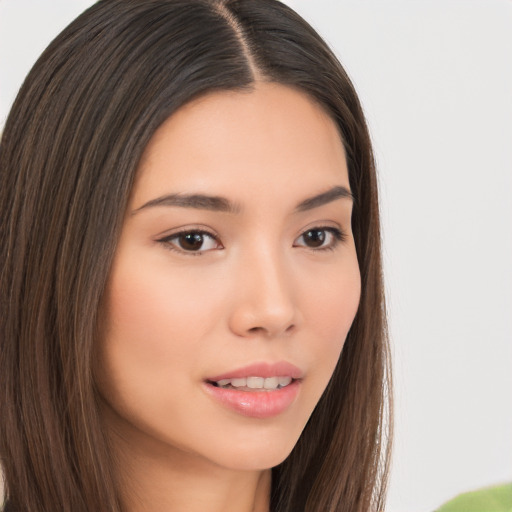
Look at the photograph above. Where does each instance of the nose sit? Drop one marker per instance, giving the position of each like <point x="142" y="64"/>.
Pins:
<point x="264" y="303"/>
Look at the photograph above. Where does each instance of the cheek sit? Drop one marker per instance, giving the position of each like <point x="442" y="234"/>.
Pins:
<point x="153" y="311"/>
<point x="330" y="312"/>
<point x="138" y="320"/>
<point x="157" y="321"/>
<point x="143" y="331"/>
<point x="334" y="295"/>
<point x="342" y="302"/>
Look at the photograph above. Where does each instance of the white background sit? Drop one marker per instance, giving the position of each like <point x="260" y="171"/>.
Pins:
<point x="435" y="79"/>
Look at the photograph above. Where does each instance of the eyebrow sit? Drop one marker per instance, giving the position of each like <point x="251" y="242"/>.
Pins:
<point x="221" y="204"/>
<point x="330" y="195"/>
<point x="197" y="201"/>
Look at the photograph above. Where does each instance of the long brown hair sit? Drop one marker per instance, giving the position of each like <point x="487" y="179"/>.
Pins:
<point x="68" y="157"/>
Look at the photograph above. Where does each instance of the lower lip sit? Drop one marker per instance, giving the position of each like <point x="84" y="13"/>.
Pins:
<point x="256" y="404"/>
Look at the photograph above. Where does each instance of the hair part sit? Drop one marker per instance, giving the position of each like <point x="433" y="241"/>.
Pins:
<point x="68" y="159"/>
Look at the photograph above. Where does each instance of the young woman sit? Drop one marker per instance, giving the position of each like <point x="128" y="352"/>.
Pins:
<point x="192" y="305"/>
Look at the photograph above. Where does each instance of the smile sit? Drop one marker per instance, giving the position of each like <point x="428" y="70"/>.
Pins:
<point x="254" y="383"/>
<point x="261" y="390"/>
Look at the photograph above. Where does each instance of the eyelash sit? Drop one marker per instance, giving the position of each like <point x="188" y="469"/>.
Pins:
<point x="338" y="237"/>
<point x="168" y="244"/>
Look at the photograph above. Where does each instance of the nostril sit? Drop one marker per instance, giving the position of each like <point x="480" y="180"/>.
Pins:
<point x="256" y="330"/>
<point x="269" y="331"/>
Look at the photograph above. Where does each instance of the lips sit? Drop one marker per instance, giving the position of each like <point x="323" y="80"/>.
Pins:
<point x="254" y="383"/>
<point x="261" y="390"/>
<point x="265" y="370"/>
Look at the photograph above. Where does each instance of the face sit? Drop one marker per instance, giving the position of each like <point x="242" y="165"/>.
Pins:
<point x="234" y="283"/>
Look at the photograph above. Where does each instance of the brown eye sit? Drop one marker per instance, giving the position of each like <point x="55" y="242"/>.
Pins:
<point x="320" y="238"/>
<point x="314" y="237"/>
<point x="192" y="242"/>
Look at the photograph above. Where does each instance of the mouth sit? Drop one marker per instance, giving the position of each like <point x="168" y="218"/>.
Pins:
<point x="258" y="391"/>
<point x="253" y="383"/>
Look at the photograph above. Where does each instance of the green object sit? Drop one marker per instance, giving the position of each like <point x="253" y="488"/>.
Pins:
<point x="493" y="499"/>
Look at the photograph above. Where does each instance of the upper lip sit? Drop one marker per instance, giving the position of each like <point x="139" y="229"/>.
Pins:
<point x="262" y="369"/>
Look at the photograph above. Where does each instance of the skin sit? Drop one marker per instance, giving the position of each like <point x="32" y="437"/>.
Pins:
<point x="256" y="291"/>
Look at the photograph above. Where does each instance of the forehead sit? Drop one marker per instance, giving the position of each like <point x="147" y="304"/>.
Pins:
<point x="244" y="143"/>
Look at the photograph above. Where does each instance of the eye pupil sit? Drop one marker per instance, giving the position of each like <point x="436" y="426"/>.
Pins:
<point x="314" y="237"/>
<point x="191" y="241"/>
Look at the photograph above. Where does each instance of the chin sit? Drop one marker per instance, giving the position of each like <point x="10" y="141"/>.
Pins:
<point x="250" y="461"/>
<point x="257" y="454"/>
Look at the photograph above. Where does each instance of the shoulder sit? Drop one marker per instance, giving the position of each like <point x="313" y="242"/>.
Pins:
<point x="492" y="499"/>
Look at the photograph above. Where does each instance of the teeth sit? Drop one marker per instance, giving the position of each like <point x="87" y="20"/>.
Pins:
<point x="284" y="381"/>
<point x="256" y="382"/>
<point x="271" y="383"/>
